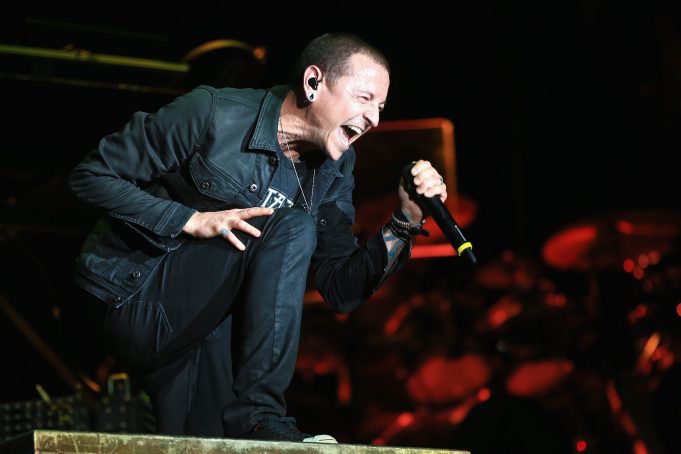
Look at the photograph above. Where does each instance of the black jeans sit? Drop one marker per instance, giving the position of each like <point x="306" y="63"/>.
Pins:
<point x="215" y="331"/>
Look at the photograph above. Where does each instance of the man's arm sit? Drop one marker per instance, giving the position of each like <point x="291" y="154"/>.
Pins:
<point x="346" y="274"/>
<point x="394" y="246"/>
<point x="150" y="145"/>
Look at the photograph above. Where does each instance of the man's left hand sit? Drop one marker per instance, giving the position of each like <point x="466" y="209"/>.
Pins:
<point x="428" y="182"/>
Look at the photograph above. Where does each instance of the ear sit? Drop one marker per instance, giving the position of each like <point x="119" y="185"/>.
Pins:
<point x="312" y="72"/>
<point x="312" y="80"/>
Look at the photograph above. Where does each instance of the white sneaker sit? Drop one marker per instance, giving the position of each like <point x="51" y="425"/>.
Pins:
<point x="320" y="439"/>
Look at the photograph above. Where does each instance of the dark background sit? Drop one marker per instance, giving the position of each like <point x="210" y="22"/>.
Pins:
<point x="563" y="113"/>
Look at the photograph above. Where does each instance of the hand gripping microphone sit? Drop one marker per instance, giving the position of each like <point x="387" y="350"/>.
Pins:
<point x="434" y="207"/>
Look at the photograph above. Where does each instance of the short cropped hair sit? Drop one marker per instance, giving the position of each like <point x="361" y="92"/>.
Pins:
<point x="331" y="52"/>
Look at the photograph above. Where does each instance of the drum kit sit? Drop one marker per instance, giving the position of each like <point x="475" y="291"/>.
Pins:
<point x="602" y="303"/>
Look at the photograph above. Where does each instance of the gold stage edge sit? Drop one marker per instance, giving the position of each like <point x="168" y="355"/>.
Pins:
<point x="52" y="442"/>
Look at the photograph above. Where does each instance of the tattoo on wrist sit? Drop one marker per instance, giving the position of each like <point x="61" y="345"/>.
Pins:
<point x="388" y="235"/>
<point x="393" y="252"/>
<point x="394" y="245"/>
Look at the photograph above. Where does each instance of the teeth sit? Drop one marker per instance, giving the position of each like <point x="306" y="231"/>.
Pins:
<point x="355" y="129"/>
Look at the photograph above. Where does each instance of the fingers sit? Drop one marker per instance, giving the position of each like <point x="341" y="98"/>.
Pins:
<point x="420" y="166"/>
<point x="248" y="228"/>
<point x="428" y="181"/>
<point x="231" y="237"/>
<point x="235" y="219"/>
<point x="248" y="213"/>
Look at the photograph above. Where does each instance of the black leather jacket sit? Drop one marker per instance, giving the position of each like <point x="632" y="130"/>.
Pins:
<point x="209" y="150"/>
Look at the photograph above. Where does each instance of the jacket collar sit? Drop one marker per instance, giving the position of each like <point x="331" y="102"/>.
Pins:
<point x="266" y="126"/>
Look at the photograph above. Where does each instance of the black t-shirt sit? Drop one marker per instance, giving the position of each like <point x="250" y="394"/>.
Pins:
<point x="284" y="190"/>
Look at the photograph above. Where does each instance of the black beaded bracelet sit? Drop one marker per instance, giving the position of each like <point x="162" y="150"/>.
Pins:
<point x="402" y="229"/>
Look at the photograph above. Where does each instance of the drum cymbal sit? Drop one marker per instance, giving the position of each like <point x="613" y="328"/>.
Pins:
<point x="605" y="242"/>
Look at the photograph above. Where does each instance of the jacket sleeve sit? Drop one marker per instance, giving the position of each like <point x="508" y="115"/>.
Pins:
<point x="347" y="274"/>
<point x="112" y="177"/>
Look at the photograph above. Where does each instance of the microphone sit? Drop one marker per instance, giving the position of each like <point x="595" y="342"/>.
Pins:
<point x="434" y="207"/>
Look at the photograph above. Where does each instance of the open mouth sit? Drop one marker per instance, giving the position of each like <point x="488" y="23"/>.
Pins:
<point x="352" y="132"/>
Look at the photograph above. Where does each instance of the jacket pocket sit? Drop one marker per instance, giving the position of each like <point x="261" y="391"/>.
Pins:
<point x="211" y="181"/>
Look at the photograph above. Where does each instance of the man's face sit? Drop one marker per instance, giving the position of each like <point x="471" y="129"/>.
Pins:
<point x="351" y="105"/>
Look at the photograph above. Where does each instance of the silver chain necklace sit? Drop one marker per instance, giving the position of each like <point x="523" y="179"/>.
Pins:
<point x="308" y="206"/>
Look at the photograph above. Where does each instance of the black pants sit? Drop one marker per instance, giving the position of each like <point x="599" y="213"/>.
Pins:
<point x="215" y="330"/>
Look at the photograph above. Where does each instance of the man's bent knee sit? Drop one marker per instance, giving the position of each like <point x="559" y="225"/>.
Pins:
<point x="297" y="225"/>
